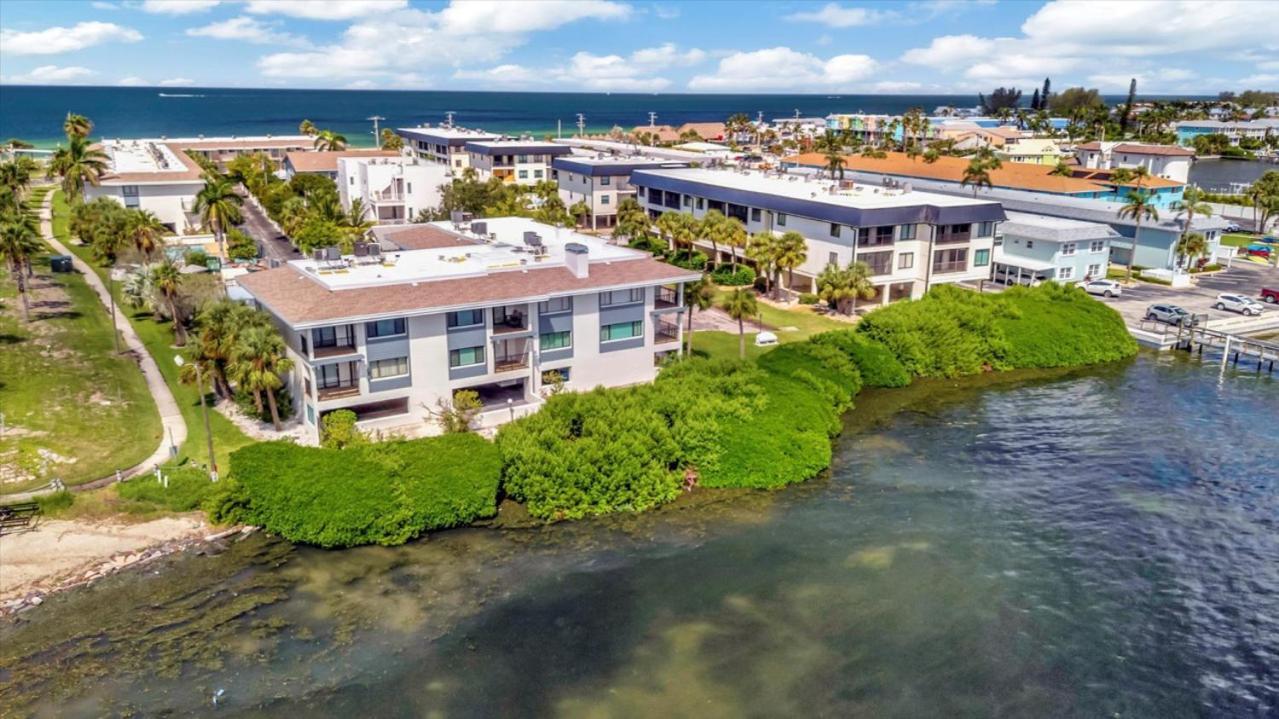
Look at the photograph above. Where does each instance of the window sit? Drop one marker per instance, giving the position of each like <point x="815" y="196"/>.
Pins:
<point x="906" y="260"/>
<point x="352" y="182"/>
<point x="537" y="174"/>
<point x="639" y="192"/>
<point x="465" y="318"/>
<point x="384" y="368"/>
<point x="466" y="356"/>
<point x="408" y="188"/>
<point x="521" y="159"/>
<point x="603" y="199"/>
<point x="132" y="190"/>
<point x="950" y="260"/>
<point x="781" y="219"/>
<point x="1065" y="273"/>
<point x="755" y="214"/>
<point x="701" y="204"/>
<point x="1097" y="246"/>
<point x="834" y="229"/>
<point x="310" y="414"/>
<point x="555" y="304"/>
<point x="981" y="258"/>
<point x="622" y="297"/>
<point x="985" y="229"/>
<point x="523" y="174"/>
<point x="863" y="235"/>
<point x="555" y="340"/>
<point x="1094" y="270"/>
<point x="385" y="328"/>
<point x="880" y="263"/>
<point x="688" y="200"/>
<point x="1030" y="244"/>
<point x="339" y="336"/>
<point x="906" y="232"/>
<point x="833" y="258"/>
<point x="1068" y="249"/>
<point x="605" y="181"/>
<point x="621" y="331"/>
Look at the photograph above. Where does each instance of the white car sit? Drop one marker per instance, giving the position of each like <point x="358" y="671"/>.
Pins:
<point x="1105" y="288"/>
<point x="765" y="339"/>
<point x="1239" y="303"/>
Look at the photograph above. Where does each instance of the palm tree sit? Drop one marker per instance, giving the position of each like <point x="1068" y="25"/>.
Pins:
<point x="791" y="252"/>
<point x="306" y="127"/>
<point x="1192" y="203"/>
<point x="259" y="365"/>
<point x="1063" y="170"/>
<point x="678" y="227"/>
<point x="842" y="287"/>
<point x="835" y="163"/>
<point x="698" y="296"/>
<point x="77" y="164"/>
<point x="1139" y="207"/>
<point x="978" y="171"/>
<point x="1189" y="246"/>
<point x="219" y="207"/>
<point x="580" y="211"/>
<point x="146" y="231"/>
<point x="166" y="277"/>
<point x="735" y="237"/>
<point x="713" y="228"/>
<point x="762" y="250"/>
<point x="77" y="126"/>
<point x="18" y="242"/>
<point x="330" y="141"/>
<point x="15" y="176"/>
<point x="740" y="304"/>
<point x="390" y="140"/>
<point x="632" y="221"/>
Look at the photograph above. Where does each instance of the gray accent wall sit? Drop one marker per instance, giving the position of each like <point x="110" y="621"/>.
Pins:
<point x="383" y="385"/>
<point x="626" y="344"/>
<point x="468" y="337"/>
<point x="621" y="313"/>
<point x="559" y="322"/>
<point x="478" y="370"/>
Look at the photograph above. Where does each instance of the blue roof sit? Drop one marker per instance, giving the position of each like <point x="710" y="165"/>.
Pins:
<point x="444" y="135"/>
<point x="611" y="169"/>
<point x="518" y="148"/>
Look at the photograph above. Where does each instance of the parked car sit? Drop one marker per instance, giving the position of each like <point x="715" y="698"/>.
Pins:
<point x="1171" y="314"/>
<point x="1232" y="227"/>
<point x="1105" y="288"/>
<point x="1269" y="294"/>
<point x="1257" y="249"/>
<point x="1238" y="303"/>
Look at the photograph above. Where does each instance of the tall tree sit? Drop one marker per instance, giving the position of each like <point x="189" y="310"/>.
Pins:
<point x="1045" y="94"/>
<point x="977" y="173"/>
<point x="1127" y="113"/>
<point x="1139" y="207"/>
<point x="166" y="277"/>
<point x="259" y="365"/>
<point x="1189" y="246"/>
<point x="18" y="243"/>
<point x="306" y="127"/>
<point x="841" y="287"/>
<point x="714" y="229"/>
<point x="699" y="296"/>
<point x="791" y="252"/>
<point x="329" y="141"/>
<point x="1002" y="97"/>
<point x="390" y="140"/>
<point x="740" y="304"/>
<point x="735" y="237"/>
<point x="77" y="126"/>
<point x="78" y="164"/>
<point x="219" y="207"/>
<point x="762" y="250"/>
<point x="1193" y="202"/>
<point x="1034" y="100"/>
<point x="145" y="231"/>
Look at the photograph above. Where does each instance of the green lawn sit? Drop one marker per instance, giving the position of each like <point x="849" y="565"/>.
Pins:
<point x="64" y="392"/>
<point x="723" y="345"/>
<point x="791" y="325"/>
<point x="1238" y="239"/>
<point x="158" y="338"/>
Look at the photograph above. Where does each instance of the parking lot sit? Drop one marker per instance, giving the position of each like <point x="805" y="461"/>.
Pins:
<point x="1244" y="278"/>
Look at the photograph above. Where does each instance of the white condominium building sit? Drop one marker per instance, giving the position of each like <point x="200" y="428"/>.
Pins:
<point x="445" y="145"/>
<point x="911" y="240"/>
<point x="502" y="306"/>
<point x="601" y="181"/>
<point x="522" y="162"/>
<point x="1167" y="161"/>
<point x="393" y="189"/>
<point x="154" y="176"/>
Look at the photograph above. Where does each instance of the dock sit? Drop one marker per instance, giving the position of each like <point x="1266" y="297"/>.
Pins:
<point x="1233" y="348"/>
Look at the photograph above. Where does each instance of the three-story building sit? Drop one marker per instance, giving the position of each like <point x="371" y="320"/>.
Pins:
<point x="601" y="181"/>
<point x="444" y="144"/>
<point x="523" y="162"/>
<point x="504" y="307"/>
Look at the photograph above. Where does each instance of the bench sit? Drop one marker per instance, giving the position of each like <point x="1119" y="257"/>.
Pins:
<point x="20" y="517"/>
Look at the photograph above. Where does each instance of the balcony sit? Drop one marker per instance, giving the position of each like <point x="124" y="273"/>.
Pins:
<point x="945" y="238"/>
<point x="666" y="297"/>
<point x="941" y="268"/>
<point x="390" y="194"/>
<point x="666" y="332"/>
<point x="338" y="391"/>
<point x="333" y="350"/>
<point x="509" y="319"/>
<point x="510" y="362"/>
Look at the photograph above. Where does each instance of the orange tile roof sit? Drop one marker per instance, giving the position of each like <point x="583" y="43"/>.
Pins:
<point x="1012" y="175"/>
<point x="300" y="300"/>
<point x="328" y="161"/>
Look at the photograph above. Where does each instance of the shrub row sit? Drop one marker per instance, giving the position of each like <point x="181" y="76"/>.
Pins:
<point x="375" y="494"/>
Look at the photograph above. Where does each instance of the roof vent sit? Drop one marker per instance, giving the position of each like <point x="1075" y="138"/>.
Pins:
<point x="577" y="259"/>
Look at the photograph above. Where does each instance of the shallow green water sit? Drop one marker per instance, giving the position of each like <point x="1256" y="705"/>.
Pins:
<point x="1101" y="543"/>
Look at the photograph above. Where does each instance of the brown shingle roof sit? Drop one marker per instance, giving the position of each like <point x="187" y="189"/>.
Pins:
<point x="266" y="143"/>
<point x="422" y="237"/>
<point x="328" y="161"/>
<point x="301" y="300"/>
<point x="1154" y="150"/>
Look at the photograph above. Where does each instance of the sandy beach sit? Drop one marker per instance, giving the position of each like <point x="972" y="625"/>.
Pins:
<point x="60" y="553"/>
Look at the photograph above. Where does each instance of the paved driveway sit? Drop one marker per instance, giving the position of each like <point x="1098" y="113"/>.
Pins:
<point x="275" y="246"/>
<point x="1244" y="278"/>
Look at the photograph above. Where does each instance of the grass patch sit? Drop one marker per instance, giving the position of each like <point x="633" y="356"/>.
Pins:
<point x="802" y="318"/>
<point x="1238" y="239"/>
<point x="74" y="409"/>
<point x="158" y="339"/>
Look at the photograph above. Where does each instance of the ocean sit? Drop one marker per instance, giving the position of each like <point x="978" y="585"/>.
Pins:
<point x="35" y="113"/>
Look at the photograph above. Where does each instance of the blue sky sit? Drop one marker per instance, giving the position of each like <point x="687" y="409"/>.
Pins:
<point x="935" y="46"/>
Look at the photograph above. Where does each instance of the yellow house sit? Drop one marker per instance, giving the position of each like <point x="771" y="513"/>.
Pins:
<point x="1035" y="151"/>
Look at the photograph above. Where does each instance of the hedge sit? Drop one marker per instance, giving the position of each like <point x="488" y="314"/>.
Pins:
<point x="1061" y="326"/>
<point x="376" y="494"/>
<point x="726" y="276"/>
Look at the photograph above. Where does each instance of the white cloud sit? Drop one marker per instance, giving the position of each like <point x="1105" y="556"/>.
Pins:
<point x="781" y="68"/>
<point x="178" y="7"/>
<point x="835" y="15"/>
<point x="361" y="85"/>
<point x="664" y="12"/>
<point x="1253" y="82"/>
<point x="1072" y="35"/>
<point x="508" y="75"/>
<point x="388" y="45"/>
<point x="54" y="40"/>
<point x="100" y="5"/>
<point x="325" y="9"/>
<point x="177" y="82"/>
<point x="896" y="87"/>
<point x="246" y="29"/>
<point x="49" y="75"/>
<point x="638" y="72"/>
<point x="132" y="81"/>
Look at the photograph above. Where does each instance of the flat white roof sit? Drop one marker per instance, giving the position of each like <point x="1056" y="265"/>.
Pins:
<point x="133" y="156"/>
<point x="501" y="249"/>
<point x="816" y="189"/>
<point x="449" y="132"/>
<point x="1027" y="263"/>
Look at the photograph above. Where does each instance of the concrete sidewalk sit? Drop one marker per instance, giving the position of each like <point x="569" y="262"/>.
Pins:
<point x="172" y="423"/>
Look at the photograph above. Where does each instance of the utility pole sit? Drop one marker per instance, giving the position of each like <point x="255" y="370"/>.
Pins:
<point x="204" y="407"/>
<point x="581" y="125"/>
<point x="377" y="139"/>
<point x="449" y="119"/>
<point x="652" y="119"/>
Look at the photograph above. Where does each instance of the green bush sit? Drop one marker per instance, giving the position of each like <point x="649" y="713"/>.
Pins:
<point x="196" y="258"/>
<point x="724" y="275"/>
<point x="338" y="430"/>
<point x="878" y="366"/>
<point x="807" y="298"/>
<point x="1061" y="326"/>
<point x="385" y="494"/>
<point x="188" y="488"/>
<point x="689" y="260"/>
<point x="240" y="246"/>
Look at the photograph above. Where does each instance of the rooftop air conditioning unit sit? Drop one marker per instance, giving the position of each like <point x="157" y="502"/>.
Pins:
<point x="479" y="228"/>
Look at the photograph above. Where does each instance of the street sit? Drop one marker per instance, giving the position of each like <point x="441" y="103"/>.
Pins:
<point x="275" y="246"/>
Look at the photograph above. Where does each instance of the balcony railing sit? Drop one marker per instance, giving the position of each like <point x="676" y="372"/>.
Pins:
<point x="325" y="351"/>
<point x="339" y="391"/>
<point x="941" y="268"/>
<point x="666" y="297"/>
<point x="944" y="238"/>
<point x="387" y="196"/>
<point x="508" y="362"/>
<point x="666" y="332"/>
